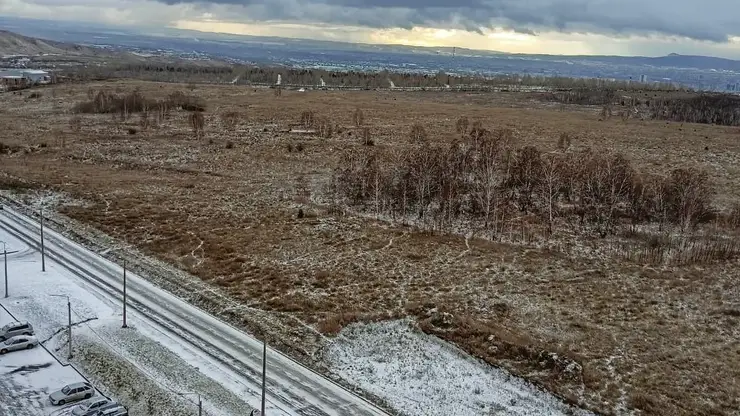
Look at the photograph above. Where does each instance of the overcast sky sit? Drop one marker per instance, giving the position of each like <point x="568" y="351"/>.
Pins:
<point x="623" y="27"/>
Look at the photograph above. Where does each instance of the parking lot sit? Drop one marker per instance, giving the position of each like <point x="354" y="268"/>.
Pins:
<point x="28" y="376"/>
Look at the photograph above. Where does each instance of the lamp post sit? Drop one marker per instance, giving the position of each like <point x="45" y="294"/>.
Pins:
<point x="200" y="402"/>
<point x="5" y="263"/>
<point x="124" y="295"/>
<point x="69" y="322"/>
<point x="264" y="374"/>
<point x="43" y="254"/>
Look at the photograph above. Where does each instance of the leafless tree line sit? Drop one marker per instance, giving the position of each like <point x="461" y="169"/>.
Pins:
<point x="485" y="181"/>
<point x="723" y="109"/>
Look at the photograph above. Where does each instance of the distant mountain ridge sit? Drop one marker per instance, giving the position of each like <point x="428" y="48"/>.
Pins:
<point x="15" y="44"/>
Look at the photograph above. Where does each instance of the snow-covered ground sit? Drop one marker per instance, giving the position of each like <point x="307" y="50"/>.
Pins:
<point x="426" y="376"/>
<point x="139" y="364"/>
<point x="27" y="377"/>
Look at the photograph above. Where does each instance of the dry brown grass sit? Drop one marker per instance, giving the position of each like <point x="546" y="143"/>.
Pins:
<point x="651" y="338"/>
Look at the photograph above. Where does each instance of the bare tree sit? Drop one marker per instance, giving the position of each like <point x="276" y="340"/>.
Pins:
<point x="197" y="123"/>
<point x="358" y="117"/>
<point x="324" y="127"/>
<point x="144" y="120"/>
<point x="308" y="118"/>
<point x="366" y="137"/>
<point x="549" y="187"/>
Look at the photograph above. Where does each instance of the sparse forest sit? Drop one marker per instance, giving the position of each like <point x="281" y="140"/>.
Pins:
<point x="488" y="184"/>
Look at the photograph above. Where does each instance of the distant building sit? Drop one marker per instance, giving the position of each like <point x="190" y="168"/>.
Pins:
<point x="20" y="78"/>
<point x="643" y="79"/>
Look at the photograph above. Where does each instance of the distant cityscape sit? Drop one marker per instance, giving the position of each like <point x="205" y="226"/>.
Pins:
<point x="701" y="73"/>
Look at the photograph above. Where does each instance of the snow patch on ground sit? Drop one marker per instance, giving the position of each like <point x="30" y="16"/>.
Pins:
<point x="418" y="374"/>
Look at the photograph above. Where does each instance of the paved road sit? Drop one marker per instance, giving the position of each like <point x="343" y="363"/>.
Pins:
<point x="291" y="389"/>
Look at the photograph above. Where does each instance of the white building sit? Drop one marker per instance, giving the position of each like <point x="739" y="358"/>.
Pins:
<point x="18" y="77"/>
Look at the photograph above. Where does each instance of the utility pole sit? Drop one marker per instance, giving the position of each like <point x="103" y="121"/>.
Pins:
<point x="264" y="374"/>
<point x="200" y="406"/>
<point x="5" y="262"/>
<point x="124" y="295"/>
<point x="43" y="256"/>
<point x="69" y="327"/>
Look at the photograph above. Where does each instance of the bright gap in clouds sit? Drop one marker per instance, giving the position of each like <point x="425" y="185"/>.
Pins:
<point x="497" y="39"/>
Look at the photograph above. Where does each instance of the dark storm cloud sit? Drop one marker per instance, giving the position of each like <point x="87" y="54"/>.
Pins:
<point x="712" y="20"/>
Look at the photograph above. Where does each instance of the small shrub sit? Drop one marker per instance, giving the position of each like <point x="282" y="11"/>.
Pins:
<point x="290" y="148"/>
<point x="35" y="95"/>
<point x="418" y="134"/>
<point x="229" y="145"/>
<point x="230" y="119"/>
<point x="308" y="118"/>
<point x="299" y="147"/>
<point x="75" y="124"/>
<point x="461" y="126"/>
<point x="733" y="218"/>
<point x="366" y="139"/>
<point x="132" y="131"/>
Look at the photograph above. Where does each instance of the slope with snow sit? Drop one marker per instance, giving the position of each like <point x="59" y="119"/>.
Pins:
<point x="425" y="376"/>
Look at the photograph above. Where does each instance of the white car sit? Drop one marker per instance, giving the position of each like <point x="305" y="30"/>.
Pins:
<point x="72" y="393"/>
<point x="91" y="407"/>
<point x="15" y="328"/>
<point x="19" y="342"/>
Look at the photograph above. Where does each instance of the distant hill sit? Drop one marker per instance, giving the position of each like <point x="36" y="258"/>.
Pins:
<point x="15" y="44"/>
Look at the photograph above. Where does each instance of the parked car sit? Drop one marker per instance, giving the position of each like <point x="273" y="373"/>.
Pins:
<point x="72" y="393"/>
<point x="91" y="407"/>
<point x="20" y="342"/>
<point x="113" y="409"/>
<point x="15" y="328"/>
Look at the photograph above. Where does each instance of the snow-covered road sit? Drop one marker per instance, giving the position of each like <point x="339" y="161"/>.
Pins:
<point x="234" y="355"/>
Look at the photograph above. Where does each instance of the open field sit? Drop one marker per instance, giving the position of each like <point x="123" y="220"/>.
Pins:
<point x="567" y="312"/>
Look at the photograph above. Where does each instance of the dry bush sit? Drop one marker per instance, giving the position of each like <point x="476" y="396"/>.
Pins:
<point x="75" y="124"/>
<point x="230" y="119"/>
<point x="179" y="99"/>
<point x="278" y="91"/>
<point x="564" y="142"/>
<point x="418" y="134"/>
<point x="308" y="118"/>
<point x="197" y="123"/>
<point x="461" y="126"/>
<point x="733" y="218"/>
<point x="358" y="118"/>
<point x="689" y="195"/>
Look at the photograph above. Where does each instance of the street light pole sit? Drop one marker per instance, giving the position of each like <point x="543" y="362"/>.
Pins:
<point x="43" y="255"/>
<point x="264" y="374"/>
<point x="124" y="295"/>
<point x="69" y="326"/>
<point x="69" y="322"/>
<point x="5" y="263"/>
